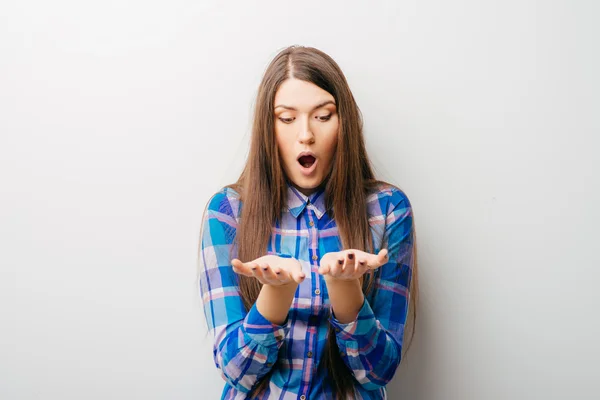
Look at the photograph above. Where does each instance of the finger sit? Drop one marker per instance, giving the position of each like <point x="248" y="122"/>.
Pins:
<point x="277" y="271"/>
<point x="257" y="272"/>
<point x="379" y="259"/>
<point x="383" y="256"/>
<point x="240" y="268"/>
<point x="362" y="266"/>
<point x="268" y="272"/>
<point x="324" y="269"/>
<point x="248" y="266"/>
<point x="298" y="275"/>
<point x="357" y="271"/>
<point x="236" y="265"/>
<point x="280" y="276"/>
<point x="283" y="276"/>
<point x="336" y="268"/>
<point x="349" y="262"/>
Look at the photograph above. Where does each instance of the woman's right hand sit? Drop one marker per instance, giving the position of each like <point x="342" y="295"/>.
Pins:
<point x="271" y="270"/>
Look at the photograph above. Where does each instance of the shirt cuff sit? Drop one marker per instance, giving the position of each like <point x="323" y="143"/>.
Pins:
<point x="363" y="325"/>
<point x="264" y="332"/>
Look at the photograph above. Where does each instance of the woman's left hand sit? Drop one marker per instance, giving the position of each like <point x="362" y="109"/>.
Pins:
<point x="350" y="264"/>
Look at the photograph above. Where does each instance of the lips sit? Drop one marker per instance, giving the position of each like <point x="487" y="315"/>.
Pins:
<point x="307" y="162"/>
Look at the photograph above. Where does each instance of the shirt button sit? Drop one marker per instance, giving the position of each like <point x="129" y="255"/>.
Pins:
<point x="309" y="354"/>
<point x="303" y="397"/>
<point x="343" y="354"/>
<point x="311" y="223"/>
<point x="269" y="364"/>
<point x="318" y="292"/>
<point x="315" y="257"/>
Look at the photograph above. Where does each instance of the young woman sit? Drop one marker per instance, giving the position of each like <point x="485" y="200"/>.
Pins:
<point x="307" y="263"/>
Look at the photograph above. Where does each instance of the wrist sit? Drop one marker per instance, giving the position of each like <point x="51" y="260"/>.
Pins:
<point x="342" y="283"/>
<point x="285" y="289"/>
<point x="346" y="299"/>
<point x="274" y="302"/>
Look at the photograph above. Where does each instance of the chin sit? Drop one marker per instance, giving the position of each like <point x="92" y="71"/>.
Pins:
<point x="308" y="184"/>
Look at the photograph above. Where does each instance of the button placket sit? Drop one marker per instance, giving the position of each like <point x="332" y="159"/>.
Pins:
<point x="315" y="301"/>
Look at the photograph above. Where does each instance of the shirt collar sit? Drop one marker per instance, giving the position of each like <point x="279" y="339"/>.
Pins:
<point x="297" y="201"/>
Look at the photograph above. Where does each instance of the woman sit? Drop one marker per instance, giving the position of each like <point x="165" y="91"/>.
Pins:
<point x="307" y="263"/>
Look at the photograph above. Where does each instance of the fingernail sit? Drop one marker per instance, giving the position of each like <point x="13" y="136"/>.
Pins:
<point x="361" y="262"/>
<point x="340" y="262"/>
<point x="351" y="256"/>
<point x="264" y="268"/>
<point x="252" y="268"/>
<point x="278" y="272"/>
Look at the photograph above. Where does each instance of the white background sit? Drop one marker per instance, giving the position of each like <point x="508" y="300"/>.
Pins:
<point x="119" y="119"/>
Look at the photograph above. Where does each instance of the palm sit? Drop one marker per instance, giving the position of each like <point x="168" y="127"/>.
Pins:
<point x="271" y="270"/>
<point x="350" y="264"/>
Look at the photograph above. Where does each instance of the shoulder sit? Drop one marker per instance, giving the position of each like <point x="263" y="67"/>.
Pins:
<point x="384" y="198"/>
<point x="226" y="201"/>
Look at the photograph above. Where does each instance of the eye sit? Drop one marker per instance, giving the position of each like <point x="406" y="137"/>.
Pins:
<point x="286" y="120"/>
<point x="323" y="118"/>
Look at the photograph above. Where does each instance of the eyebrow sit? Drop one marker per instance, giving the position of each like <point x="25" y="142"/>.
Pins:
<point x="314" y="108"/>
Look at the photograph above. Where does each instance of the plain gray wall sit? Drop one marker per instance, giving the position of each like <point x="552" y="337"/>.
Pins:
<point x="118" y="120"/>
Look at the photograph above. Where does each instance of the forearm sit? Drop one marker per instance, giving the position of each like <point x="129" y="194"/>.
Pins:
<point x="346" y="299"/>
<point x="246" y="353"/>
<point x="367" y="348"/>
<point x="274" y="302"/>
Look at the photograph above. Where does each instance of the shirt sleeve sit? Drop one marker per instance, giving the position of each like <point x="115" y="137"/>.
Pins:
<point x="371" y="345"/>
<point x="246" y="344"/>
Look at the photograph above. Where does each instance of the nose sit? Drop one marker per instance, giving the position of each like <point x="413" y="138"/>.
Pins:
<point x="306" y="135"/>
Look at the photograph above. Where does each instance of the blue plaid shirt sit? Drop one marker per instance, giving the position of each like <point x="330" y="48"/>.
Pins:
<point x="247" y="346"/>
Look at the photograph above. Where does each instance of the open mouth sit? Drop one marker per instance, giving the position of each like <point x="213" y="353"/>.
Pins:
<point x="307" y="161"/>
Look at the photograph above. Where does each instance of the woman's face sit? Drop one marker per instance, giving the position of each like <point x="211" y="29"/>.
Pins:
<point x="306" y="131"/>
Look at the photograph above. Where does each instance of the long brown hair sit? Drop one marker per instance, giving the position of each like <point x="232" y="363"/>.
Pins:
<point x="262" y="186"/>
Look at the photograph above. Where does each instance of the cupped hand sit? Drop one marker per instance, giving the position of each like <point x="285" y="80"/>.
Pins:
<point x="350" y="264"/>
<point x="271" y="270"/>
